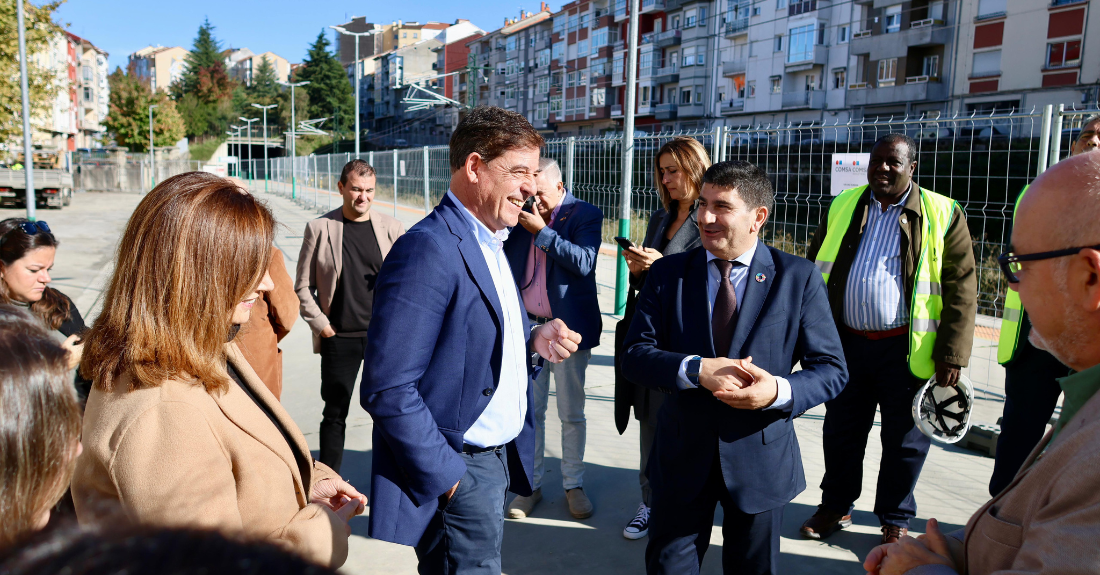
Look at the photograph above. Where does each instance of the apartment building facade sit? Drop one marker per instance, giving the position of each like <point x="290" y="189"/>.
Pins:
<point x="159" y="66"/>
<point x="75" y="116"/>
<point x="1026" y="53"/>
<point x="242" y="63"/>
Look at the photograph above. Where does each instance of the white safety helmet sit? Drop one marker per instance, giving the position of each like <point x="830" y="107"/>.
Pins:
<point x="943" y="413"/>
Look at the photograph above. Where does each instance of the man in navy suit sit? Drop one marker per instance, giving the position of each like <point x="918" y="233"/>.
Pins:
<point x="719" y="329"/>
<point x="553" y="255"/>
<point x="448" y="358"/>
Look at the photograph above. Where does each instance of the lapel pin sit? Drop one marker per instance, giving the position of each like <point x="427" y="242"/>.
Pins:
<point x="761" y="277"/>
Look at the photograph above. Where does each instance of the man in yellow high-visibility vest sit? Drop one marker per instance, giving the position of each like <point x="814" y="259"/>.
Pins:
<point x="1031" y="375"/>
<point x="899" y="265"/>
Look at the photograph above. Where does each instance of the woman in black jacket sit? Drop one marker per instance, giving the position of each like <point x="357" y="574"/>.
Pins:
<point x="679" y="169"/>
<point x="27" y="251"/>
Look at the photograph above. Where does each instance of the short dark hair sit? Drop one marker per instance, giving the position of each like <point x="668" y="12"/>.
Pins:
<point x="102" y="549"/>
<point x="357" y="167"/>
<point x="751" y="183"/>
<point x="490" y="132"/>
<point x="894" y="138"/>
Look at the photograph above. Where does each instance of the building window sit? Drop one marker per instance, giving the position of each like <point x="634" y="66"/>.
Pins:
<point x="839" y="78"/>
<point x="512" y="67"/>
<point x="87" y="94"/>
<point x="598" y="97"/>
<point x="1064" y="54"/>
<point x="414" y="35"/>
<point x="931" y="66"/>
<point x="511" y="43"/>
<point x="543" y="58"/>
<point x="988" y="8"/>
<point x="811" y="82"/>
<point x="802" y="7"/>
<point x="780" y="4"/>
<point x="675" y="22"/>
<point x="887" y="72"/>
<point x="689" y="57"/>
<point x="582" y="78"/>
<point x="698" y="96"/>
<point x="801" y="46"/>
<point x="702" y="15"/>
<point x="685" y="95"/>
<point x="555" y="79"/>
<point x="573" y="23"/>
<point x="543" y="85"/>
<point x="582" y="48"/>
<point x="617" y="65"/>
<point x="541" y="111"/>
<point x="555" y="104"/>
<point x="778" y="44"/>
<point x="599" y="38"/>
<point x="986" y="63"/>
<point x="645" y="95"/>
<point x="842" y="34"/>
<point x="582" y="21"/>
<point x="404" y="34"/>
<point x="673" y="60"/>
<point x="893" y="19"/>
<point x="569" y="103"/>
<point x="752" y="89"/>
<point x="689" y="18"/>
<point x="559" y="25"/>
<point x="570" y="79"/>
<point x="821" y="34"/>
<point x="777" y="85"/>
<point x="558" y="51"/>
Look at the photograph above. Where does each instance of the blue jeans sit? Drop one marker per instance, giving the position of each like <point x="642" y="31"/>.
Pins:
<point x="465" y="535"/>
<point x="569" y="380"/>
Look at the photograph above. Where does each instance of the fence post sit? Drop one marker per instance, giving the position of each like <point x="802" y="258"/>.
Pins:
<point x="1044" y="139"/>
<point x="716" y="145"/>
<point x="1056" y="135"/>
<point x="394" y="153"/>
<point x="427" y="190"/>
<point x="328" y="158"/>
<point x="570" y="150"/>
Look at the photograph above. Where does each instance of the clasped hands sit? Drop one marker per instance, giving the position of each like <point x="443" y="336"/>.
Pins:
<point x="555" y="341"/>
<point x="738" y="383"/>
<point x="339" y="496"/>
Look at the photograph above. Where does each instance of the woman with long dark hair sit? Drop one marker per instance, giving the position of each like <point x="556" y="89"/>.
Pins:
<point x="179" y="429"/>
<point x="678" y="176"/>
<point x="27" y="251"/>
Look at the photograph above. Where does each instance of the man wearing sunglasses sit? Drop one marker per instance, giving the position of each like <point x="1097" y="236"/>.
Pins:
<point x="1031" y="374"/>
<point x="1048" y="518"/>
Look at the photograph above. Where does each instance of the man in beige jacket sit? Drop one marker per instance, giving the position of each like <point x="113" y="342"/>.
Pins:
<point x="342" y="252"/>
<point x="1048" y="518"/>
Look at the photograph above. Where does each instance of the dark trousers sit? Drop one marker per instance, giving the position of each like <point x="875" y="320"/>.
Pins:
<point x="341" y="358"/>
<point x="878" y="376"/>
<point x="1031" y="393"/>
<point x="679" y="533"/>
<point x="465" y="535"/>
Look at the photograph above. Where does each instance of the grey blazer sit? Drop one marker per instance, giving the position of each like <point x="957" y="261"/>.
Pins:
<point x="321" y="261"/>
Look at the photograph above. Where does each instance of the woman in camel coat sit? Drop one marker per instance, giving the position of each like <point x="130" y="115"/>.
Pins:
<point x="179" y="430"/>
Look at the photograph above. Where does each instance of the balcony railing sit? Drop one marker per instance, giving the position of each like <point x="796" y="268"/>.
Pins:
<point x="737" y="26"/>
<point x="667" y="38"/>
<point x="861" y="34"/>
<point x="616" y="110"/>
<point x="926" y="22"/>
<point x="665" y="111"/>
<point x="734" y="67"/>
<point x="807" y="99"/>
<point x="652" y="5"/>
<point x="647" y="71"/>
<point x="733" y="106"/>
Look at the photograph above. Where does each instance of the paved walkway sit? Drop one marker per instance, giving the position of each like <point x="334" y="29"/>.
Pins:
<point x="953" y="484"/>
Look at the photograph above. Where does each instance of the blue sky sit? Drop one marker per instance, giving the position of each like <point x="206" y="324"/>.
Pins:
<point x="282" y="26"/>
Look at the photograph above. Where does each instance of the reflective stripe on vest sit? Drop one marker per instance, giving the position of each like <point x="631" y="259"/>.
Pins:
<point x="1013" y="314"/>
<point x="927" y="303"/>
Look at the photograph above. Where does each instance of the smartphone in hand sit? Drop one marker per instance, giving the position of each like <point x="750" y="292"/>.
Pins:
<point x="529" y="204"/>
<point x="625" y="243"/>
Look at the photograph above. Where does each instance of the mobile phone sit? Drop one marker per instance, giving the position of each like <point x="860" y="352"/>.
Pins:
<point x="625" y="243"/>
<point x="529" y="204"/>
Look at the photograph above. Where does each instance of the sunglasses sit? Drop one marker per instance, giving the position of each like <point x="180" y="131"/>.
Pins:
<point x="1010" y="262"/>
<point x="31" y="228"/>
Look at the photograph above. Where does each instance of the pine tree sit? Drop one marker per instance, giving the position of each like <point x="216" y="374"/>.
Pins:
<point x="205" y="55"/>
<point x="128" y="121"/>
<point x="330" y="93"/>
<point x="205" y="90"/>
<point x="264" y="88"/>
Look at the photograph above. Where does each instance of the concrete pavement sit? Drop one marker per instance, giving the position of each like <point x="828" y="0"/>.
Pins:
<point x="952" y="486"/>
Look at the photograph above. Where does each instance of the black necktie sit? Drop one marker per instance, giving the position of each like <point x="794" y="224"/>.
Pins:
<point x="724" y="319"/>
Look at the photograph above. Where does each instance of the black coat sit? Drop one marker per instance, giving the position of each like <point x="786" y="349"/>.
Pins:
<point x="74" y="324"/>
<point x="647" y="401"/>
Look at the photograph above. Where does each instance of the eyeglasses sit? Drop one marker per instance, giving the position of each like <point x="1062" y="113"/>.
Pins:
<point x="31" y="228"/>
<point x="1010" y="262"/>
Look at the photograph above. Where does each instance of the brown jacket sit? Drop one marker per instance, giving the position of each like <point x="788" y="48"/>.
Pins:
<point x="176" y="455"/>
<point x="955" y="335"/>
<point x="1048" y="519"/>
<point x="272" y="317"/>
<point x="321" y="261"/>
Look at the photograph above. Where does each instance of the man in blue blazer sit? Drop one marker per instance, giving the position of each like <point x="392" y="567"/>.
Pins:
<point x="448" y="358"/>
<point x="553" y="255"/>
<point x="719" y="328"/>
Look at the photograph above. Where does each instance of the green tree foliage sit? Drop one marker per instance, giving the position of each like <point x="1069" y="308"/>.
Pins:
<point x="40" y="30"/>
<point x="128" y="120"/>
<point x="330" y="92"/>
<point x="205" y="91"/>
<point x="264" y="88"/>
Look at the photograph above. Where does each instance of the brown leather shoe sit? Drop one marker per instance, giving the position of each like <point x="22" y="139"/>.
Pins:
<point x="891" y="533"/>
<point x="824" y="523"/>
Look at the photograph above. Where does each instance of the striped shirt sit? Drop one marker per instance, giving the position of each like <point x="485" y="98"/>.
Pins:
<point x="874" y="298"/>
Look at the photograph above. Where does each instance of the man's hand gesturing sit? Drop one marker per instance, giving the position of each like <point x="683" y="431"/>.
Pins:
<point x="555" y="341"/>
<point x="760" y="391"/>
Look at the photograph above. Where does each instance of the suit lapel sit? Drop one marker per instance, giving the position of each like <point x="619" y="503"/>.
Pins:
<point x="755" y="294"/>
<point x="245" y="414"/>
<point x="336" y="242"/>
<point x="381" y="235"/>
<point x="684" y="237"/>
<point x="473" y="256"/>
<point x="696" y="304"/>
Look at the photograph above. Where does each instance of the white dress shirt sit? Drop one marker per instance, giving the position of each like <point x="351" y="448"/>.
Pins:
<point x="738" y="276"/>
<point x="503" y="418"/>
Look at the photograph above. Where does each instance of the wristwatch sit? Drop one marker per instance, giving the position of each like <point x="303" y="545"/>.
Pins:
<point x="693" y="366"/>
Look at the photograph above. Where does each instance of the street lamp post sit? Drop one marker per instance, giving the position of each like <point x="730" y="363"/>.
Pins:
<point x="356" y="35"/>
<point x="152" y="149"/>
<point x="237" y="164"/>
<point x="265" y="109"/>
<point x="293" y="135"/>
<point x="249" y="123"/>
<point x="28" y="158"/>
